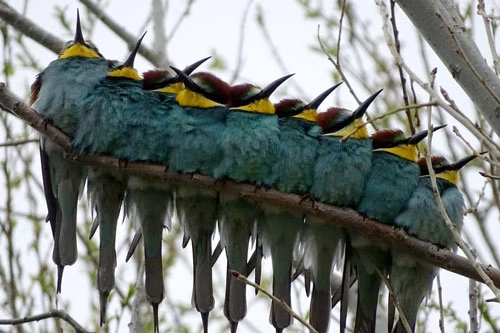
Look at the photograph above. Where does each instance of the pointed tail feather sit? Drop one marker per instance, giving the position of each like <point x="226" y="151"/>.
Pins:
<point x="133" y="245"/>
<point x="202" y="272"/>
<point x="368" y="291"/>
<point x="280" y="318"/>
<point x="320" y="309"/>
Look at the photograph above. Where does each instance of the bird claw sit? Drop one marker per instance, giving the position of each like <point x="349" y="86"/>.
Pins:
<point x="307" y="198"/>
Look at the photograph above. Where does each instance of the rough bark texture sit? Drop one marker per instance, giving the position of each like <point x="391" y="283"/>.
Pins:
<point x="442" y="27"/>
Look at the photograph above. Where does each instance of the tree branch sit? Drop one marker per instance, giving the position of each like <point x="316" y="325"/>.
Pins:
<point x="345" y="218"/>
<point x="51" y="314"/>
<point x="154" y="57"/>
<point x="29" y="28"/>
<point x="440" y="24"/>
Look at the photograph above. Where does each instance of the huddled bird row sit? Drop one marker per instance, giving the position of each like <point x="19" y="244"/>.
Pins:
<point x="198" y="123"/>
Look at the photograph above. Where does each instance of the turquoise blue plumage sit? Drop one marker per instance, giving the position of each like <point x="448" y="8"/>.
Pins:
<point x="194" y="147"/>
<point x="249" y="145"/>
<point x="106" y="192"/>
<point x="278" y="228"/>
<point x="340" y="171"/>
<point x="65" y="81"/>
<point x="411" y="280"/>
<point x="166" y="86"/>
<point x="393" y="177"/>
<point x="122" y="119"/>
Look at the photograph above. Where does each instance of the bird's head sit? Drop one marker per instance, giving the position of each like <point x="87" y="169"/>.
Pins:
<point x="340" y="122"/>
<point x="163" y="80"/>
<point x="126" y="70"/>
<point x="395" y="142"/>
<point x="78" y="47"/>
<point x="250" y="98"/>
<point x="202" y="90"/>
<point x="444" y="169"/>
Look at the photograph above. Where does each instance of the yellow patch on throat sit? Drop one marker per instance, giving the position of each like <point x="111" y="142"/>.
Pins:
<point x="187" y="97"/>
<point x="408" y="152"/>
<point x="259" y="106"/>
<point x="125" y="72"/>
<point x="361" y="133"/>
<point x="309" y="114"/>
<point x="79" y="50"/>
<point x="173" y="88"/>
<point x="451" y="175"/>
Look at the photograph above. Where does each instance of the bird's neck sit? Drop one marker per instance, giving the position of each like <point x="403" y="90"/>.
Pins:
<point x="309" y="115"/>
<point x="408" y="152"/>
<point x="125" y="72"/>
<point x="79" y="50"/>
<point x="173" y="88"/>
<point x="356" y="125"/>
<point x="261" y="106"/>
<point x="187" y="97"/>
<point x="452" y="176"/>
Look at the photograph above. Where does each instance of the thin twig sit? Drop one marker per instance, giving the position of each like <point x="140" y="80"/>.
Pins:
<point x="459" y="116"/>
<point x="341" y="217"/>
<point x="241" y="42"/>
<point x="489" y="34"/>
<point x="61" y="314"/>
<point x="403" y="108"/>
<point x="395" y="300"/>
<point x="281" y="302"/>
<point x="129" y="38"/>
<point x="29" y="28"/>
<point x="440" y="298"/>
<point x="18" y="143"/>
<point x="473" y="306"/>
<point x="400" y="69"/>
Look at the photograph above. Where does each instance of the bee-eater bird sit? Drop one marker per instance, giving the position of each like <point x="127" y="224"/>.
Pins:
<point x="119" y="114"/>
<point x="340" y="171"/>
<point x="249" y="145"/>
<point x="78" y="68"/>
<point x="279" y="229"/>
<point x="393" y="176"/>
<point x="167" y="86"/>
<point x="194" y="147"/>
<point x="411" y="280"/>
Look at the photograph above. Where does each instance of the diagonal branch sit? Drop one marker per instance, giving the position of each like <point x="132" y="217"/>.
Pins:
<point x="440" y="24"/>
<point x="51" y="314"/>
<point x="345" y="218"/>
<point x="29" y="28"/>
<point x="32" y="30"/>
<point x="154" y="57"/>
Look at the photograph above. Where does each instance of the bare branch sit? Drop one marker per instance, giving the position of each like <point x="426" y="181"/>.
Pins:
<point x="153" y="57"/>
<point x="342" y="217"/>
<point x="281" y="302"/>
<point x="440" y="24"/>
<point x="51" y="314"/>
<point x="29" y="28"/>
<point x="18" y="143"/>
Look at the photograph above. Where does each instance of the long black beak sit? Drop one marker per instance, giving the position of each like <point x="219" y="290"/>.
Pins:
<point x="361" y="110"/>
<point x="264" y="93"/>
<point x="188" y="70"/>
<point x="458" y="164"/>
<point x="271" y="87"/>
<point x="415" y="139"/>
<point x="358" y="113"/>
<point x="78" y="33"/>
<point x="315" y="103"/>
<point x="191" y="85"/>
<point x="130" y="60"/>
